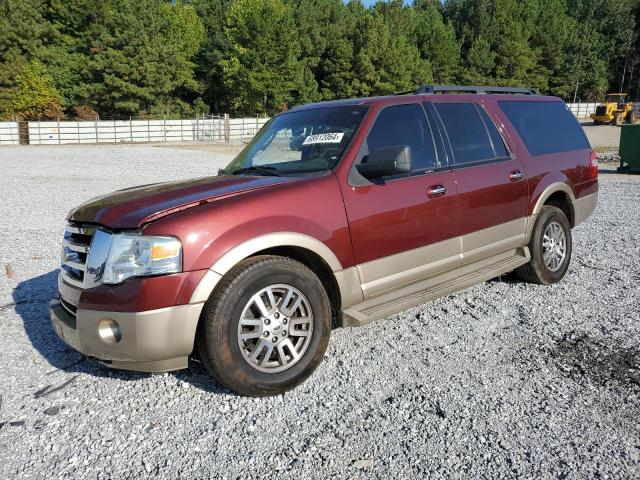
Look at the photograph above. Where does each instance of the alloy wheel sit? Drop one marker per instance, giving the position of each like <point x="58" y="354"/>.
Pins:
<point x="554" y="246"/>
<point x="275" y="328"/>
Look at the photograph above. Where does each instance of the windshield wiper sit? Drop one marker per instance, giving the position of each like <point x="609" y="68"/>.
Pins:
<point x="264" y="170"/>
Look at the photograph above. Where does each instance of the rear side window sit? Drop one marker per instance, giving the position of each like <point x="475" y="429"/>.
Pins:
<point x="472" y="134"/>
<point x="404" y="125"/>
<point x="545" y="127"/>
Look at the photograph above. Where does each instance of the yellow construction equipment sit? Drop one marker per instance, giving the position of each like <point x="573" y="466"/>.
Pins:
<point x="615" y="111"/>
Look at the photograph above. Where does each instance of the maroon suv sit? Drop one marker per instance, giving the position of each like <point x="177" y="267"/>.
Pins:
<point x="350" y="210"/>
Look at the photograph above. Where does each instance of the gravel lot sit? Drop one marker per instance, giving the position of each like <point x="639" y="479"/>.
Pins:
<point x="502" y="380"/>
<point x="602" y="137"/>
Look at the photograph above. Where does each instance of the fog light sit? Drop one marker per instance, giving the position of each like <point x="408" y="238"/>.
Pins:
<point x="109" y="331"/>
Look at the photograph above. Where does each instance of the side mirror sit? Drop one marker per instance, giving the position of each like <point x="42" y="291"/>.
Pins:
<point x="386" y="161"/>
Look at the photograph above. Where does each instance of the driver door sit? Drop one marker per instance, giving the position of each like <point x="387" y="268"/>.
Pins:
<point x="403" y="227"/>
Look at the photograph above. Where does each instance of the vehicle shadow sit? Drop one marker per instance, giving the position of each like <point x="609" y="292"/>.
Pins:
<point x="31" y="298"/>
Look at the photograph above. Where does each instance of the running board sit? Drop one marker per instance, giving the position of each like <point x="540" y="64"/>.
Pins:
<point x="438" y="286"/>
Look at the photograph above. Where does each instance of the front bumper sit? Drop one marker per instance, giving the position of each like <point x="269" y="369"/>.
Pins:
<point x="151" y="341"/>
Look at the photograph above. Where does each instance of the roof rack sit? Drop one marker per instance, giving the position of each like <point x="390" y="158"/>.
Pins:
<point x="433" y="89"/>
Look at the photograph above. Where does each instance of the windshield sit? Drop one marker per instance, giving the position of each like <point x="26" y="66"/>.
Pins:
<point x="300" y="141"/>
<point x="616" y="98"/>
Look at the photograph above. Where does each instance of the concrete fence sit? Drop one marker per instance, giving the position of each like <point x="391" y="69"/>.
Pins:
<point x="9" y="133"/>
<point x="582" y="110"/>
<point x="206" y="128"/>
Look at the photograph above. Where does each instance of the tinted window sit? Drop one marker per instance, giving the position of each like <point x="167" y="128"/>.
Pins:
<point x="545" y="127"/>
<point x="496" y="140"/>
<point x="404" y="125"/>
<point x="467" y="133"/>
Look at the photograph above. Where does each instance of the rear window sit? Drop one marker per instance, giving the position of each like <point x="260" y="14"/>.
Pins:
<point x="472" y="134"/>
<point x="545" y="127"/>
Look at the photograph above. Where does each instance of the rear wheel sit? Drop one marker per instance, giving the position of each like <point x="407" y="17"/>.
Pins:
<point x="550" y="248"/>
<point x="266" y="327"/>
<point x="632" y="117"/>
<point x="618" y="119"/>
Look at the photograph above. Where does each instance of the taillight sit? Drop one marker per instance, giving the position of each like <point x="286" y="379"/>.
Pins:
<point x="593" y="165"/>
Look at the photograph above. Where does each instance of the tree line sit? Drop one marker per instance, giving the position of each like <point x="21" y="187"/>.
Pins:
<point x="154" y="58"/>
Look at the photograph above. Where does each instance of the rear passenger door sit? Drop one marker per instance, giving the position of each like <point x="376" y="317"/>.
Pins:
<point x="490" y="179"/>
<point x="402" y="226"/>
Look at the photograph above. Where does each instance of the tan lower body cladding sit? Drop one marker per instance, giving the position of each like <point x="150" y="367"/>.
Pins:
<point x="408" y="279"/>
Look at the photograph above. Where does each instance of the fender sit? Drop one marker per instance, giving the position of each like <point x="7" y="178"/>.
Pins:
<point x="345" y="278"/>
<point x="550" y="190"/>
<point x="542" y="198"/>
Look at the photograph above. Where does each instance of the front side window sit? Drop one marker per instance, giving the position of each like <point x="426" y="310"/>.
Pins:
<point x="300" y="141"/>
<point x="472" y="134"/>
<point x="400" y="125"/>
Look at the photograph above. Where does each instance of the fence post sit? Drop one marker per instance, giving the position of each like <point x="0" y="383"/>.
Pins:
<point x="96" y="128"/>
<point x="58" y="126"/>
<point x="227" y="128"/>
<point x="164" y="129"/>
<point x="78" y="130"/>
<point x="148" y="131"/>
<point x="130" y="130"/>
<point x="115" y="133"/>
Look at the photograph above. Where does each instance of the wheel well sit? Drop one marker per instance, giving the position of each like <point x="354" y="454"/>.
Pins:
<point x="563" y="202"/>
<point x="317" y="265"/>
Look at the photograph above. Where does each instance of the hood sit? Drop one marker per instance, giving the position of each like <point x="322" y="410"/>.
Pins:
<point x="132" y="207"/>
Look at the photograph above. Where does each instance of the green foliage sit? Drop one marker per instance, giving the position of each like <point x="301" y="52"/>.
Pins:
<point x="262" y="66"/>
<point x="177" y="57"/>
<point x="140" y="62"/>
<point x="32" y="96"/>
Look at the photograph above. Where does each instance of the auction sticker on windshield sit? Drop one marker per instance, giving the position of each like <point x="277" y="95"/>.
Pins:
<point x="323" y="138"/>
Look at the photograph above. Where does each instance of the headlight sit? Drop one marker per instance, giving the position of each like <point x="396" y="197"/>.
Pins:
<point x="134" y="255"/>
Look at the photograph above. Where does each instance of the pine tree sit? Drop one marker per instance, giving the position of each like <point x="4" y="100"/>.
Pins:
<point x="140" y="62"/>
<point x="262" y="66"/>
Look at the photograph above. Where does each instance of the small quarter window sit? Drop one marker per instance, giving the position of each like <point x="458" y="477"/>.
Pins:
<point x="496" y="140"/>
<point x="405" y="125"/>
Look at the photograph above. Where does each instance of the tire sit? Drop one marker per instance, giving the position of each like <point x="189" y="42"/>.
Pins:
<point x="632" y="117"/>
<point x="537" y="270"/>
<point x="618" y="119"/>
<point x="244" y="292"/>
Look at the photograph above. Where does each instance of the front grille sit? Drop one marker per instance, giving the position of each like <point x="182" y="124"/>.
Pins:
<point x="75" y="251"/>
<point x="601" y="110"/>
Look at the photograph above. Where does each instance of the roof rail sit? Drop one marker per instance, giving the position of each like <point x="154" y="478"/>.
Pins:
<point x="433" y="89"/>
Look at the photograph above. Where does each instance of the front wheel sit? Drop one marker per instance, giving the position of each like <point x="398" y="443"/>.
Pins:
<point x="550" y="248"/>
<point x="266" y="327"/>
<point x="618" y="119"/>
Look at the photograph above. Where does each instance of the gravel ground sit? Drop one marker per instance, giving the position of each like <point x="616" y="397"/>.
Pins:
<point x="602" y="136"/>
<point x="502" y="380"/>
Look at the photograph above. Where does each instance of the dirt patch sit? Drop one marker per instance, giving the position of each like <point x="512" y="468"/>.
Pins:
<point x="580" y="357"/>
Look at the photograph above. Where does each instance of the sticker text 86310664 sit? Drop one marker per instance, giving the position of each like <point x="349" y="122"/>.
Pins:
<point x="323" y="138"/>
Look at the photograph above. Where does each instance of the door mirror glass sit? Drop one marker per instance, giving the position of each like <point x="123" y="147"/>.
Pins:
<point x="386" y="161"/>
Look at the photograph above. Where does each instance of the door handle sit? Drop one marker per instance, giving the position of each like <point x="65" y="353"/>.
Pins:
<point x="436" y="191"/>
<point x="516" y="175"/>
